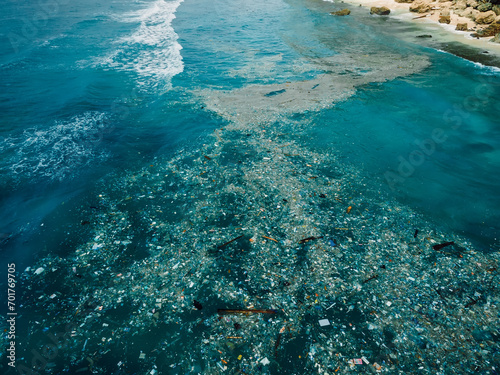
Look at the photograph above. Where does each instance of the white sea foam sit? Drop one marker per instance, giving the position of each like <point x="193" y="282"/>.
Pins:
<point x="487" y="69"/>
<point x="55" y="152"/>
<point x="152" y="50"/>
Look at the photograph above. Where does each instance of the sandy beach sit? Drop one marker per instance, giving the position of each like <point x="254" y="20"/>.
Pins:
<point x="431" y="20"/>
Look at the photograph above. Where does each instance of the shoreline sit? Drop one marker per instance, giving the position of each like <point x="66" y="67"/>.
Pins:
<point x="430" y="20"/>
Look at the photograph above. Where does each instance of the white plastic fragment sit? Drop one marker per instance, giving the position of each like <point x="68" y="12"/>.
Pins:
<point x="39" y="270"/>
<point x="324" y="322"/>
<point x="265" y="361"/>
<point x="223" y="368"/>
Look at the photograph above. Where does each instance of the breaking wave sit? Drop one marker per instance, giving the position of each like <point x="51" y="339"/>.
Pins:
<point x="152" y="50"/>
<point x="55" y="152"/>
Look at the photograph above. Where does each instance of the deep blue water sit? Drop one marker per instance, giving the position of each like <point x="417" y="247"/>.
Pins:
<point x="94" y="91"/>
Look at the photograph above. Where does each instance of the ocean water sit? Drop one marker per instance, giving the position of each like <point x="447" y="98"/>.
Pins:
<point x="148" y="132"/>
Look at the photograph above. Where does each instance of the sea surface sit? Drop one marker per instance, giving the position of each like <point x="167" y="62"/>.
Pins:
<point x="210" y="105"/>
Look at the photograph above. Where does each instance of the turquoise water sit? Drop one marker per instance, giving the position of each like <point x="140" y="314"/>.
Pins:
<point x="107" y="105"/>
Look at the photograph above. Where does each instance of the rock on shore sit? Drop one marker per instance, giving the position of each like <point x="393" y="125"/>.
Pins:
<point x="343" y="12"/>
<point x="480" y="16"/>
<point x="420" y="6"/>
<point x="484" y="18"/>
<point x="492" y="30"/>
<point x="381" y="11"/>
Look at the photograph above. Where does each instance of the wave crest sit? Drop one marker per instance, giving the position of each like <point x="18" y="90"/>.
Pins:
<point x="152" y="51"/>
<point x="56" y="152"/>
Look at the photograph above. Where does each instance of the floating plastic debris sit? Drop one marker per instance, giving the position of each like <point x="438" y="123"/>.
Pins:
<point x="237" y="262"/>
<point x="244" y="312"/>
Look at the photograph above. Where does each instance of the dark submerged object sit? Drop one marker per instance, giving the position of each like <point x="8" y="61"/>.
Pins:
<point x="371" y="278"/>
<point x="442" y="245"/>
<point x="228" y="242"/>
<point x="274" y="93"/>
<point x="310" y="239"/>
